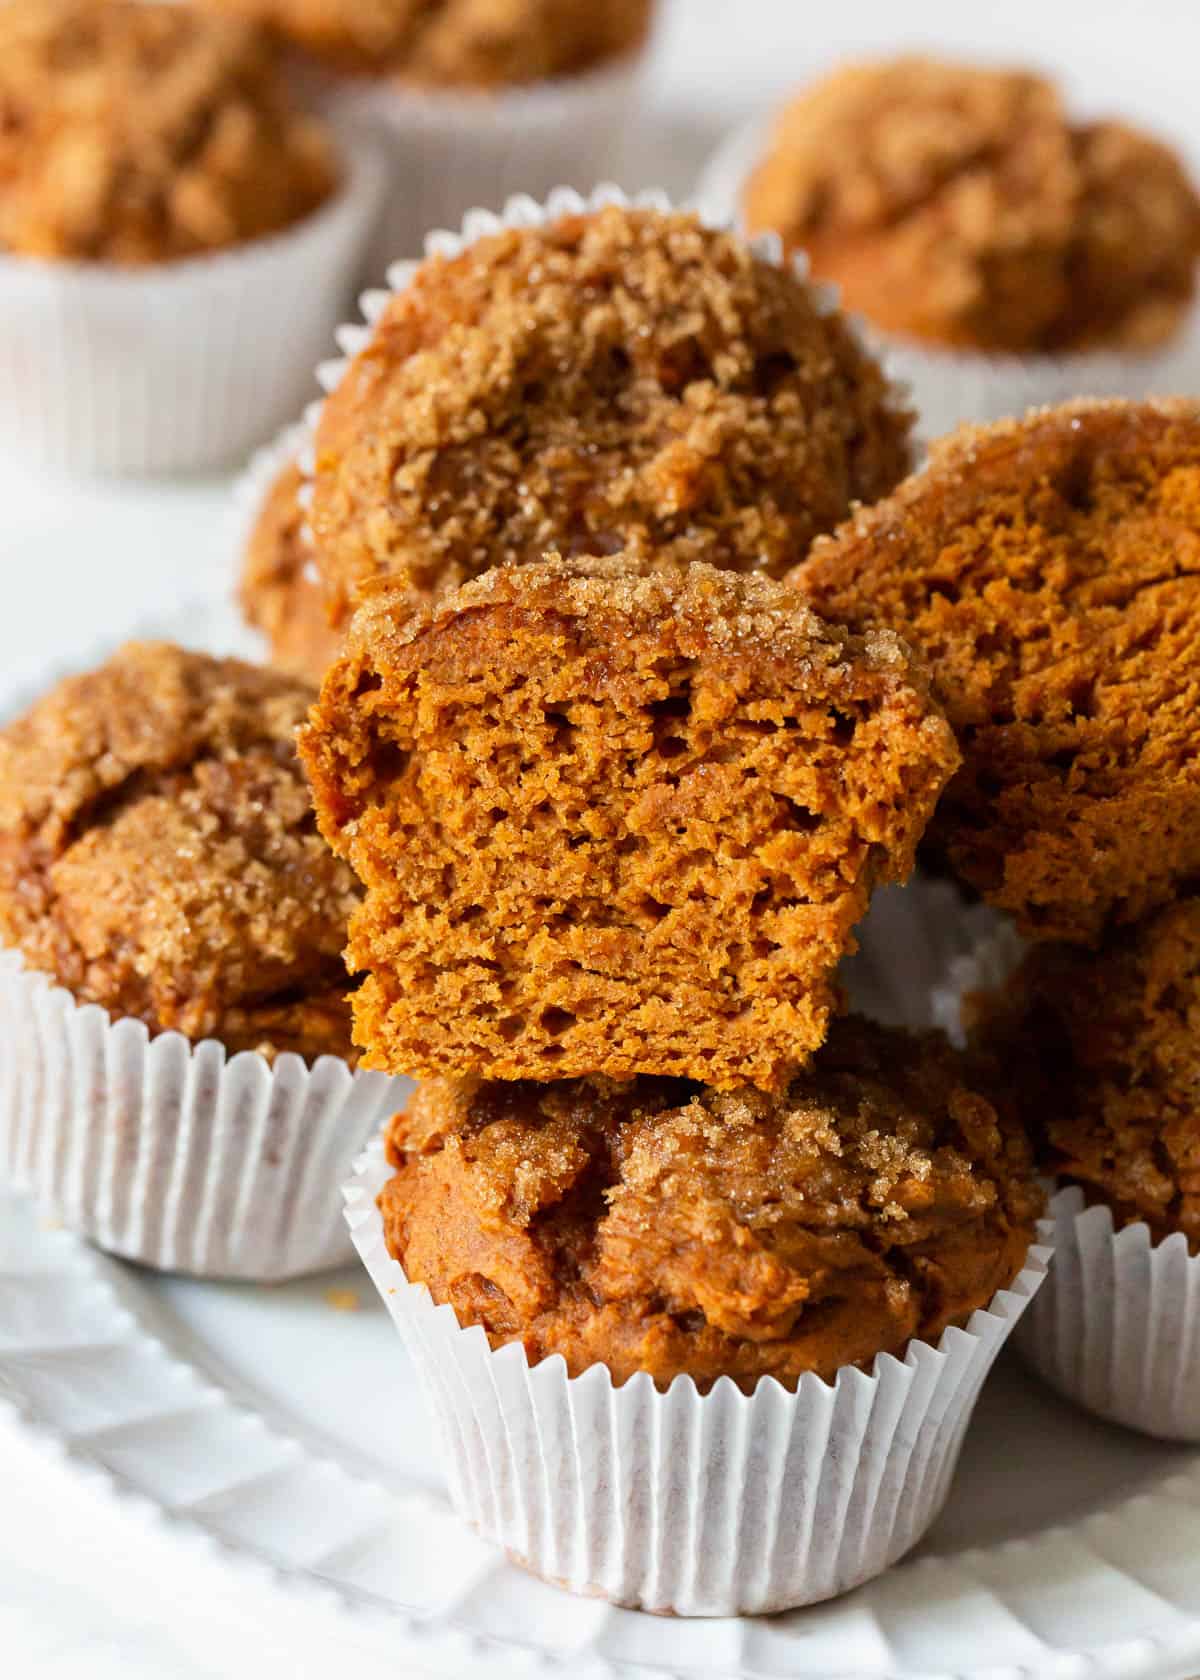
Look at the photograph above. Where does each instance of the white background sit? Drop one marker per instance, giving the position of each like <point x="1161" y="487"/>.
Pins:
<point x="89" y="1590"/>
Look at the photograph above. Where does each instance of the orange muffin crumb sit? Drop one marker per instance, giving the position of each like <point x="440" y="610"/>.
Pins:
<point x="662" y="1227"/>
<point x="1111" y="1039"/>
<point x="958" y="204"/>
<point x="280" y="590"/>
<point x="624" y="379"/>
<point x="451" y="44"/>
<point x="134" y="133"/>
<point x="159" y="856"/>
<point x="614" y="821"/>
<point x="1048" y="570"/>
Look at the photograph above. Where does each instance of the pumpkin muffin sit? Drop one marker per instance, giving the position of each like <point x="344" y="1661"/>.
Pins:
<point x="612" y="820"/>
<point x="159" y="855"/>
<point x="478" y="44"/>
<point x="620" y="379"/>
<point x="134" y="133"/>
<point x="280" y="591"/>
<point x="1111" y="1043"/>
<point x="961" y="206"/>
<point x="1048" y="569"/>
<point x="660" y="1226"/>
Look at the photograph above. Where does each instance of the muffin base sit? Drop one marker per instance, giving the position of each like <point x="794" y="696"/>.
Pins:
<point x="718" y="1504"/>
<point x="167" y="1153"/>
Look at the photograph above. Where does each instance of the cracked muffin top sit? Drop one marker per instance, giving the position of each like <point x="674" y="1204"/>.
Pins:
<point x="612" y="819"/>
<point x="961" y="205"/>
<point x="135" y="133"/>
<point x="661" y="1227"/>
<point x="1048" y="570"/>
<point x="159" y="855"/>
<point x="280" y="589"/>
<point x="618" y="380"/>
<point x="476" y="44"/>
<point x="1110" y="1044"/>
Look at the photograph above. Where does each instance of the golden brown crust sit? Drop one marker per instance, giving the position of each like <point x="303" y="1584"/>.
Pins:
<point x="450" y="44"/>
<point x="1110" y="1041"/>
<point x="159" y="857"/>
<point x="958" y="204"/>
<point x="623" y="379"/>
<point x="613" y="820"/>
<point x="661" y="1227"/>
<point x="135" y="133"/>
<point x="280" y="589"/>
<point x="1048" y="570"/>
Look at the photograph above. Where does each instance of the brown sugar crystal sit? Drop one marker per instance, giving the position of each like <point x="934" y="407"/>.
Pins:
<point x="958" y="204"/>
<point x="659" y="1226"/>
<point x="625" y="379"/>
<point x="457" y="44"/>
<point x="1110" y="1041"/>
<point x="613" y="820"/>
<point x="1048" y="570"/>
<point x="135" y="132"/>
<point x="159" y="856"/>
<point x="280" y="589"/>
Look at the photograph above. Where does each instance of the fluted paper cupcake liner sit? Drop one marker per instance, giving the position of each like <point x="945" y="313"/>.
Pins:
<point x="448" y="151"/>
<point x="165" y="1151"/>
<point x="920" y="948"/>
<point x="953" y="387"/>
<point x="186" y="365"/>
<point x="1117" y="1328"/>
<point x="523" y="211"/>
<point x="719" y="1504"/>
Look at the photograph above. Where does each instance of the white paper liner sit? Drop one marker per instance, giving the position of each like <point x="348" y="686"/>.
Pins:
<point x="920" y="948"/>
<point x="1117" y="1328"/>
<point x="700" y="1505"/>
<point x="165" y="1152"/>
<point x="952" y="387"/>
<point x="447" y="151"/>
<point x="185" y="365"/>
<point x="523" y="211"/>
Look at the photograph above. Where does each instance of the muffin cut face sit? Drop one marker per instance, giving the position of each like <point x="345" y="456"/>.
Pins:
<point x="659" y="1226"/>
<point x="1049" y="572"/>
<point x="135" y="133"/>
<point x="958" y="204"/>
<point x="280" y="589"/>
<point x="612" y="820"/>
<point x="619" y="380"/>
<point x="1114" y="1037"/>
<point x="159" y="855"/>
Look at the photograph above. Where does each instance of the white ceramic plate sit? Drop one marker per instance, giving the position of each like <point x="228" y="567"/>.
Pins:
<point x="291" y="1430"/>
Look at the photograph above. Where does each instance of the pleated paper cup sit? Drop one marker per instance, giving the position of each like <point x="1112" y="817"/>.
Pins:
<point x="719" y="1504"/>
<point x="1117" y="1328"/>
<point x="185" y="365"/>
<point x="956" y="387"/>
<point x="447" y="151"/>
<point x="170" y="1153"/>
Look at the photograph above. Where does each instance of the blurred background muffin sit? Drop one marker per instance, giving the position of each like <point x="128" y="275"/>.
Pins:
<point x="995" y="241"/>
<point x="474" y="100"/>
<point x="177" y="235"/>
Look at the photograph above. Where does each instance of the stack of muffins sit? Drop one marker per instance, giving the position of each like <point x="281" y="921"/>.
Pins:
<point x="674" y="1254"/>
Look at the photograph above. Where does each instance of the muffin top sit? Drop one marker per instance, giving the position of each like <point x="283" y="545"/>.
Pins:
<point x="614" y="820"/>
<point x="159" y="856"/>
<point x="1049" y="571"/>
<point x="960" y="205"/>
<point x="1112" y="1038"/>
<point x="619" y="379"/>
<point x="280" y="589"/>
<point x="457" y="43"/>
<point x="661" y="1227"/>
<point x="134" y="133"/>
